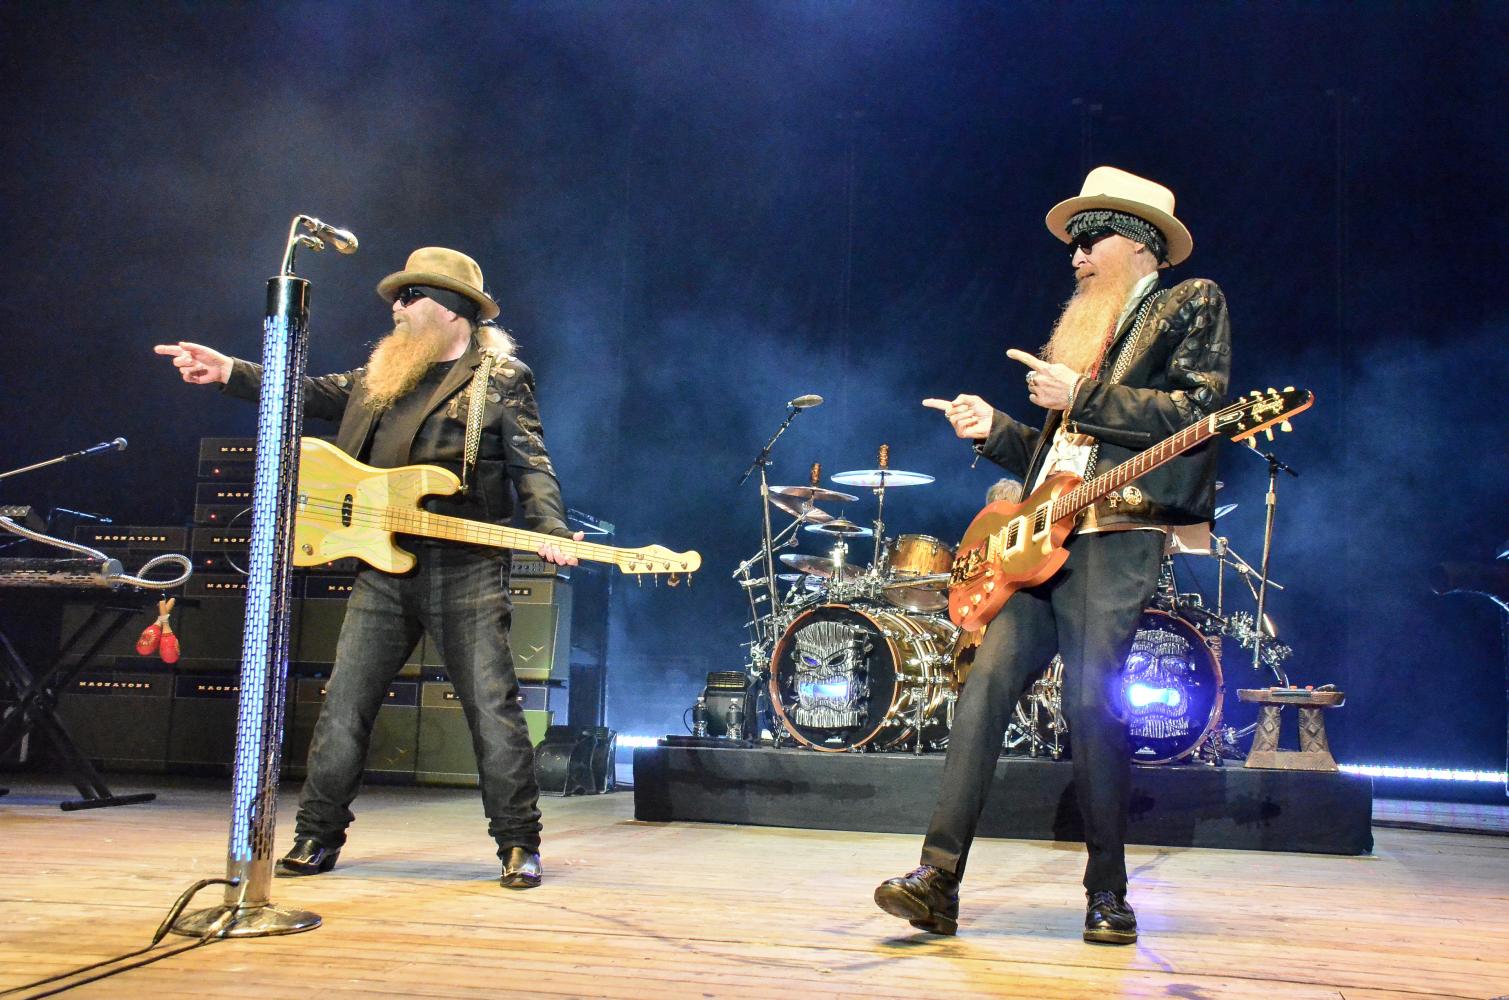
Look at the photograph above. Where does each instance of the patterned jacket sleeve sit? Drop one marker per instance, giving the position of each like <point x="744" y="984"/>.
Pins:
<point x="1194" y="380"/>
<point x="529" y="465"/>
<point x="1009" y="444"/>
<point x="325" y="396"/>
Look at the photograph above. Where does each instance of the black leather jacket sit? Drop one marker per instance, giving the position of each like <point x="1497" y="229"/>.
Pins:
<point x="511" y="461"/>
<point x="1178" y="374"/>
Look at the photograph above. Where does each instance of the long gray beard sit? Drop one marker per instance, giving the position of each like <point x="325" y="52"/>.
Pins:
<point x="397" y="365"/>
<point x="1083" y="328"/>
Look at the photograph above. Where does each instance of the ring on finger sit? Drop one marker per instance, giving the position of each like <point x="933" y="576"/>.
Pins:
<point x="1031" y="378"/>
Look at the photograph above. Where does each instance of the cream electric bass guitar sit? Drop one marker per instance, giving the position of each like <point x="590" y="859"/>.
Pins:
<point x="1011" y="546"/>
<point x="345" y="509"/>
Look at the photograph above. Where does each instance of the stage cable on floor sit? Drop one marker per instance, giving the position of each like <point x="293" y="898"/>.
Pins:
<point x="214" y="933"/>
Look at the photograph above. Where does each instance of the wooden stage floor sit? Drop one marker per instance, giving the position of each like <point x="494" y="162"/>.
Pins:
<point x="634" y="910"/>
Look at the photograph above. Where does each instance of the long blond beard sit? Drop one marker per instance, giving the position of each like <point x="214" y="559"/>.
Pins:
<point x="397" y="365"/>
<point x="400" y="359"/>
<point x="1084" y="327"/>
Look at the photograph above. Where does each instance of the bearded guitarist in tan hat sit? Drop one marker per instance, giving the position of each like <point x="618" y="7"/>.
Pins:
<point x="444" y="388"/>
<point x="1128" y="364"/>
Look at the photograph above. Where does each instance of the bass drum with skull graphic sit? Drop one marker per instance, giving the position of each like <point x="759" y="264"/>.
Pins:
<point x="847" y="677"/>
<point x="1171" y="689"/>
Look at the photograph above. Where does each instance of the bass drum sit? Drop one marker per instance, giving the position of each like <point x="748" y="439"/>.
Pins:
<point x="1171" y="689"/>
<point x="1171" y="692"/>
<point x="854" y="677"/>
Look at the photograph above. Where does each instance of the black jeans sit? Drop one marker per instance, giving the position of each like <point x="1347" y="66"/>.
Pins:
<point x="1088" y="615"/>
<point x="458" y="596"/>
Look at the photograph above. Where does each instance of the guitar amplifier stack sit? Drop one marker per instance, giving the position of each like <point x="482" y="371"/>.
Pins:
<point x="132" y="713"/>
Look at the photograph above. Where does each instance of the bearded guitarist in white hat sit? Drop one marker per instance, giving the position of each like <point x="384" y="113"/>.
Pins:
<point x="1129" y="363"/>
<point x="444" y="388"/>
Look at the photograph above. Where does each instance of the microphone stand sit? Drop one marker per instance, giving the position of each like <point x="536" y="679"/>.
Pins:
<point x="1271" y="501"/>
<point x="70" y="456"/>
<point x="762" y="462"/>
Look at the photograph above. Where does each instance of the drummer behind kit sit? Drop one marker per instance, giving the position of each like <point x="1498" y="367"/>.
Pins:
<point x="865" y="658"/>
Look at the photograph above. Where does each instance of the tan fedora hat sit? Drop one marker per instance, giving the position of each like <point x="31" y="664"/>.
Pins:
<point x="1108" y="187"/>
<point x="441" y="268"/>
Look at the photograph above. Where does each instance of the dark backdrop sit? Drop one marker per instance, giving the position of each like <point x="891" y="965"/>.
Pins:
<point x="693" y="211"/>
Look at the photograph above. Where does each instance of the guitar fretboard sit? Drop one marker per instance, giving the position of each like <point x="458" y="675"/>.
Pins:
<point x="456" y="529"/>
<point x="1170" y="448"/>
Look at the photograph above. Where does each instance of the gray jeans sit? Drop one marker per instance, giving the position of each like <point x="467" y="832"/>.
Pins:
<point x="457" y="595"/>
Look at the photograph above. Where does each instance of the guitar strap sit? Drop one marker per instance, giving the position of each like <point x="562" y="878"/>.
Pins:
<point x="1130" y="348"/>
<point x="476" y="403"/>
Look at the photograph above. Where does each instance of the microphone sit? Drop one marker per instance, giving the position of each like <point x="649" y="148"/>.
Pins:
<point x="344" y="240"/>
<point x="119" y="444"/>
<point x="805" y="402"/>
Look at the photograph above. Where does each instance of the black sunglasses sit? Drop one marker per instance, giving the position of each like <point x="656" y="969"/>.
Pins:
<point x="407" y="295"/>
<point x="1086" y="241"/>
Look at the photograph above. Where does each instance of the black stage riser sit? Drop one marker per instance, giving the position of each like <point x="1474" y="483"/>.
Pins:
<point x="1172" y="806"/>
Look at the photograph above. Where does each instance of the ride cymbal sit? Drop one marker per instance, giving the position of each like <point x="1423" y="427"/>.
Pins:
<point x="882" y="477"/>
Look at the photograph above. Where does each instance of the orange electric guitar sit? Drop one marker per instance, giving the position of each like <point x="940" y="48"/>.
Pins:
<point x="344" y="508"/>
<point x="1010" y="546"/>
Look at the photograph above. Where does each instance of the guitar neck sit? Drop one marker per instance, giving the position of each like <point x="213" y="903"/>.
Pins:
<point x="1165" y="451"/>
<point x="457" y="529"/>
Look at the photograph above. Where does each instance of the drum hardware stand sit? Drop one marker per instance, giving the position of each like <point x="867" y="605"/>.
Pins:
<point x="762" y="463"/>
<point x="1271" y="503"/>
<point x="248" y="910"/>
<point x="883" y="463"/>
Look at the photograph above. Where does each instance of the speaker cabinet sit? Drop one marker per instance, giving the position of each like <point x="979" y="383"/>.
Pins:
<point x="395" y="734"/>
<point x="541" y="633"/>
<point x="445" y="741"/>
<point x="118" y="718"/>
<point x="202" y="729"/>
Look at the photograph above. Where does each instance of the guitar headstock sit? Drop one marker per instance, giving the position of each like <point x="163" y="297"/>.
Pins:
<point x="1258" y="412"/>
<point x="657" y="560"/>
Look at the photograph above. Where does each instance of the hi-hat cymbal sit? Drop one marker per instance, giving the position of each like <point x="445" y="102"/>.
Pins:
<point x="839" y="526"/>
<point x="802" y="510"/>
<point x="1220" y="485"/>
<point x="1223" y="510"/>
<point x="814" y="493"/>
<point x="812" y="584"/>
<point x="882" y="477"/>
<point x="816" y="565"/>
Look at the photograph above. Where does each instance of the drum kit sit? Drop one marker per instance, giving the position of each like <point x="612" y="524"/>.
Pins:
<point x="853" y="657"/>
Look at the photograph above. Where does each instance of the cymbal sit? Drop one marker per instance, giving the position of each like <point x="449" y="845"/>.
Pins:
<point x="1220" y="485"/>
<point x="839" y="526"/>
<point x="1223" y="510"/>
<point x="816" y="565"/>
<point x="802" y="510"/>
<point x="814" y="493"/>
<point x="882" y="477"/>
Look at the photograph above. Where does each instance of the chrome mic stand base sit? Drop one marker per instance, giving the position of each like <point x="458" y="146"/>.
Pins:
<point x="265" y="920"/>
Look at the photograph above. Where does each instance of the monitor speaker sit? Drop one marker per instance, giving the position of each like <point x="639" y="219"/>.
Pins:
<point x="575" y="761"/>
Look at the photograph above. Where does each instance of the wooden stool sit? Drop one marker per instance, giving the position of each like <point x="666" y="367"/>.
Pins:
<point x="1314" y="753"/>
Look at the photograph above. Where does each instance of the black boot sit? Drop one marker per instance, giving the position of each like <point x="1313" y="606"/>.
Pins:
<point x="308" y="857"/>
<point x="927" y="897"/>
<point x="1109" y="918"/>
<point x="521" y="869"/>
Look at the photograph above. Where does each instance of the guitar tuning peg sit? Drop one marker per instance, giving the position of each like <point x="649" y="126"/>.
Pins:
<point x="1288" y="388"/>
<point x="1286" y="427"/>
<point x="638" y="579"/>
<point x="1269" y="432"/>
<point x="1252" y="443"/>
<point x="1272" y="391"/>
<point x="674" y="580"/>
